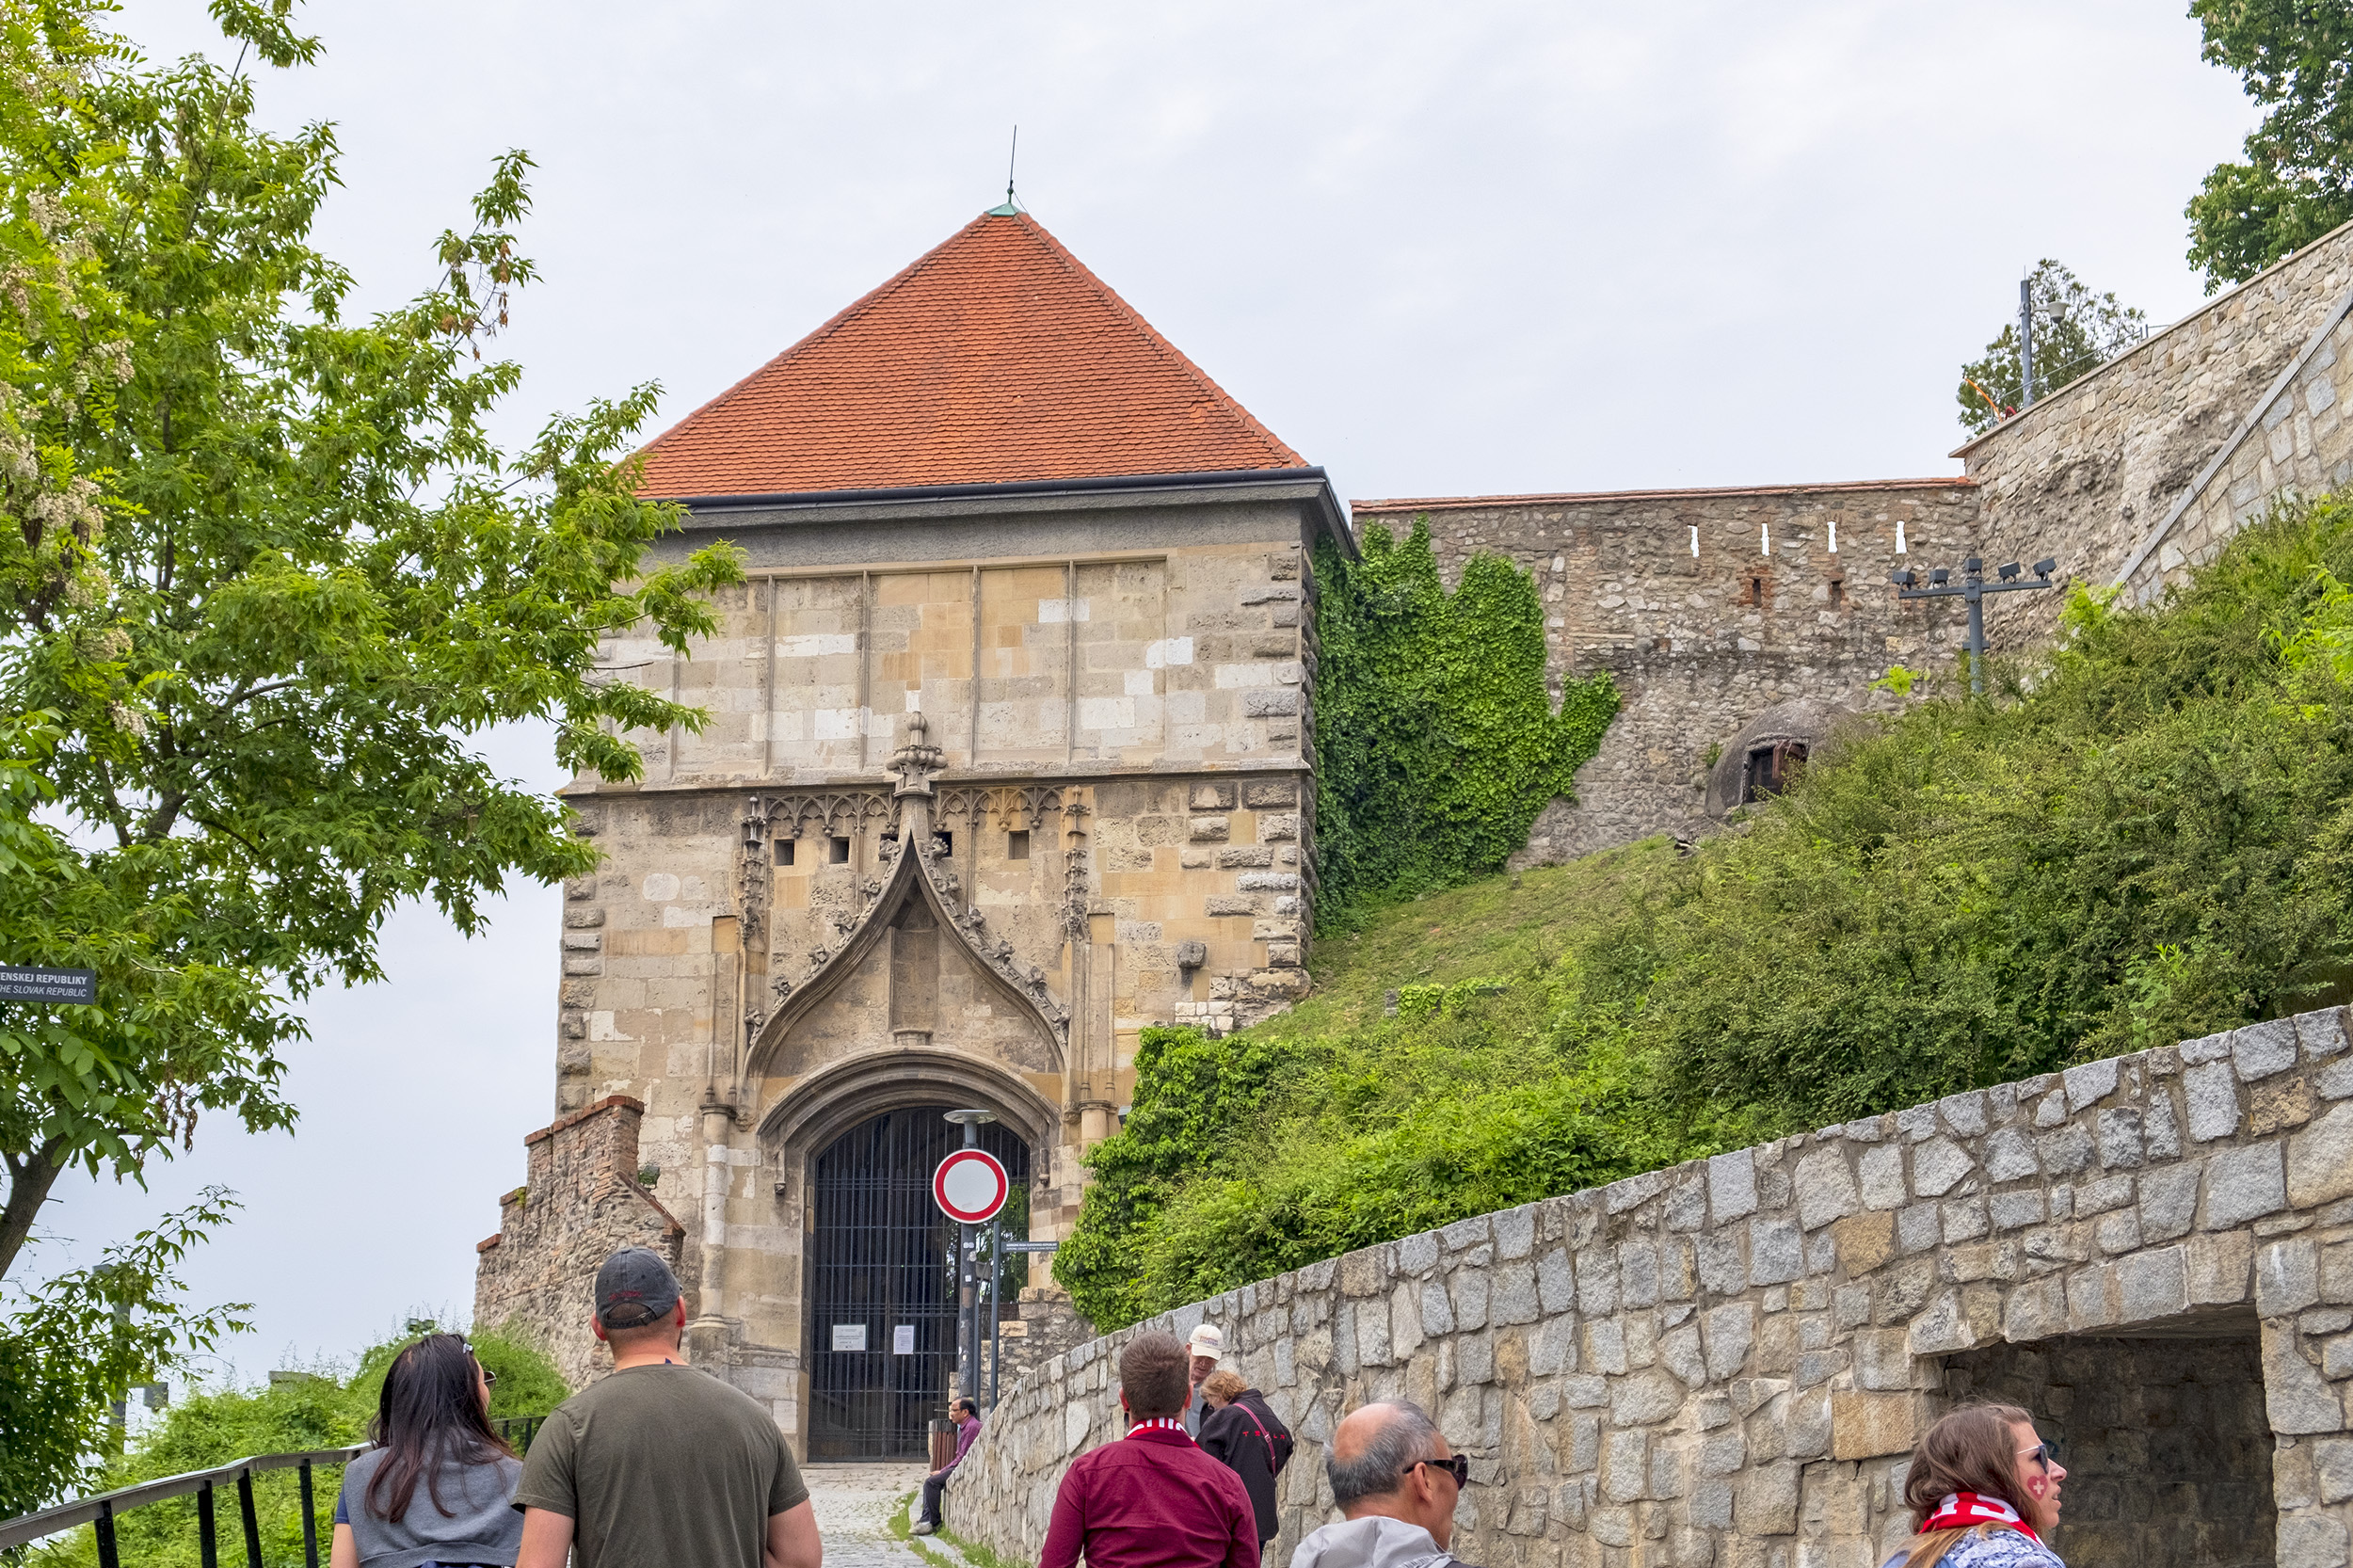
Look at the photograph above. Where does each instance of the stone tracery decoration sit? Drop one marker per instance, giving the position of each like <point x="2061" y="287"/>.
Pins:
<point x="909" y="810"/>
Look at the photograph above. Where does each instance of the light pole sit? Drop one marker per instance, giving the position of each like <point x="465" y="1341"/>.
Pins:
<point x="1973" y="587"/>
<point x="967" y="1294"/>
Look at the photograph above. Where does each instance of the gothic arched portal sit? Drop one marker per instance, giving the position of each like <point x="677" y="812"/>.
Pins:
<point x="881" y="1282"/>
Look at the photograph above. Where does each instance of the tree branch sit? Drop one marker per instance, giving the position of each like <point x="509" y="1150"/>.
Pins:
<point x="29" y="1181"/>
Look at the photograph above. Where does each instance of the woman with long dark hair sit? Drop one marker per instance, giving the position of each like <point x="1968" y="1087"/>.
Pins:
<point x="437" y="1488"/>
<point x="1984" y="1492"/>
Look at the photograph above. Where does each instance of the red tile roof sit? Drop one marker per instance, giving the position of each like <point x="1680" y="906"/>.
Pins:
<point x="995" y="359"/>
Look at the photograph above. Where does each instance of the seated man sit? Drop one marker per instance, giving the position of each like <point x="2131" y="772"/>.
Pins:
<point x="1397" y="1480"/>
<point x="968" y="1428"/>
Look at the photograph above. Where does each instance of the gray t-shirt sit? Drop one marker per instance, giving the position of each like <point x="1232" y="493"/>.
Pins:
<point x="480" y="1526"/>
<point x="662" y="1466"/>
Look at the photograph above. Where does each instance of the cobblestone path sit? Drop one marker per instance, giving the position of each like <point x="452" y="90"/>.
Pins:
<point x="854" y="1503"/>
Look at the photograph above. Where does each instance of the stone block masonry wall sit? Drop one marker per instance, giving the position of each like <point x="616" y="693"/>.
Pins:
<point x="1727" y="1363"/>
<point x="580" y="1203"/>
<point x="1707" y="607"/>
<point x="2087" y="474"/>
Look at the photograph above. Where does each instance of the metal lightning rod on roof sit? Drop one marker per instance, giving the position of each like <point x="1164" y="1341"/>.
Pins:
<point x="1011" y="206"/>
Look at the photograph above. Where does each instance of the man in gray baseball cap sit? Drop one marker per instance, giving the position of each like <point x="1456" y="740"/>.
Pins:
<point x="658" y="1463"/>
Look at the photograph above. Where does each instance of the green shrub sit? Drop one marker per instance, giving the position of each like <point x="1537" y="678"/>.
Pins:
<point x="208" y="1428"/>
<point x="2145" y="837"/>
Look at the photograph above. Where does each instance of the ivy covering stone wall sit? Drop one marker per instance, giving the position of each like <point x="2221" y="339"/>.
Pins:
<point x="1436" y="743"/>
<point x="1726" y="1363"/>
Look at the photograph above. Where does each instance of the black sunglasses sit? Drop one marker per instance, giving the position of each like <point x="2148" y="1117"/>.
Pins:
<point x="2045" y="1454"/>
<point x="1457" y="1466"/>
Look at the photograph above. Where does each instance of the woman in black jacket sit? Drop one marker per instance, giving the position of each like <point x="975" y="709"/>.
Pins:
<point x="1241" y="1432"/>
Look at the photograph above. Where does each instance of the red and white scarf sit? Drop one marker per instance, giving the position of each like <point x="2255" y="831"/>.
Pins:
<point x="1962" y="1510"/>
<point x="1157" y="1423"/>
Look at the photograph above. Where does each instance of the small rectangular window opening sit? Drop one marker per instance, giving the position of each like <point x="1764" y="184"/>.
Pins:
<point x="841" y="852"/>
<point x="1017" y="844"/>
<point x="784" y="852"/>
<point x="1770" y="770"/>
<point x="1756" y="590"/>
<point x="1837" y="594"/>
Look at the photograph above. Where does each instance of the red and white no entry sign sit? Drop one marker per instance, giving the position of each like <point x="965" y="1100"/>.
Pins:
<point x="970" y="1186"/>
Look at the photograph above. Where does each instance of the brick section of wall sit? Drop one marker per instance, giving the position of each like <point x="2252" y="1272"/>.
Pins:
<point x="2087" y="472"/>
<point x="580" y="1203"/>
<point x="1767" y="611"/>
<point x="1727" y="1363"/>
<point x="2167" y="1451"/>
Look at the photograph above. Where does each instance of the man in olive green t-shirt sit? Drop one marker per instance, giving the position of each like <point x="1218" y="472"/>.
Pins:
<point x="659" y="1465"/>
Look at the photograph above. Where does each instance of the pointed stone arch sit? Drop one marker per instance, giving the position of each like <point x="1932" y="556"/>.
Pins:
<point x="913" y="880"/>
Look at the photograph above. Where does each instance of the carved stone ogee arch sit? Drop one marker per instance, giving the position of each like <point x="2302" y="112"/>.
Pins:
<point x="909" y="879"/>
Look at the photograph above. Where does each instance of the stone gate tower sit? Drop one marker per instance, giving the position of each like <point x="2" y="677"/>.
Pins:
<point x="1008" y="757"/>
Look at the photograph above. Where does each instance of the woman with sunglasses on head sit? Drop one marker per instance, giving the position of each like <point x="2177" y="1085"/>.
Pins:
<point x="439" y="1487"/>
<point x="1984" y="1492"/>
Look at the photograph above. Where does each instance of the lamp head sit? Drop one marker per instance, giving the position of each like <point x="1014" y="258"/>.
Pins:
<point x="1939" y="576"/>
<point x="1905" y="578"/>
<point x="2045" y="567"/>
<point x="2010" y="572"/>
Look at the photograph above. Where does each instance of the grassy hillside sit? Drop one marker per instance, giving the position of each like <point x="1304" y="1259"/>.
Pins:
<point x="2146" y="836"/>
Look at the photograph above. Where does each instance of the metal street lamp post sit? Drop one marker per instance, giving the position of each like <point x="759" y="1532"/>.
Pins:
<point x="1972" y="588"/>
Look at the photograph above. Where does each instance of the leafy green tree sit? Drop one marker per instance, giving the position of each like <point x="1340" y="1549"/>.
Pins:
<point x="1436" y="744"/>
<point x="2075" y="330"/>
<point x="266" y="578"/>
<point x="2297" y="183"/>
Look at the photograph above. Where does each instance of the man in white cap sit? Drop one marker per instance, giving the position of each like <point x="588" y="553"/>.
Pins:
<point x="1206" y="1344"/>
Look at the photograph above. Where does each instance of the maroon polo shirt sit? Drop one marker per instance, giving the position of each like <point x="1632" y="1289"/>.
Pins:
<point x="1153" y="1499"/>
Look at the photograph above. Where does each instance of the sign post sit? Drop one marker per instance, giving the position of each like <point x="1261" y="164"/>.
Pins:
<point x="969" y="1186"/>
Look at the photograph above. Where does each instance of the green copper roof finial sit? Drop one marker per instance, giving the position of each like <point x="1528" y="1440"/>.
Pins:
<point x="1009" y="208"/>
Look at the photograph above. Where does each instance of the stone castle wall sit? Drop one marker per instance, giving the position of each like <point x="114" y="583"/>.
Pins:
<point x="1707" y="607"/>
<point x="2095" y="472"/>
<point x="1727" y="1362"/>
<point x="580" y="1202"/>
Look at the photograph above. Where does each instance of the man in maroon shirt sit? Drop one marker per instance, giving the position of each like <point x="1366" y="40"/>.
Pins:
<point x="1152" y="1499"/>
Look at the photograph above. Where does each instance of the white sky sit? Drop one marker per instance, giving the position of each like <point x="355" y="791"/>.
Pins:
<point x="1465" y="250"/>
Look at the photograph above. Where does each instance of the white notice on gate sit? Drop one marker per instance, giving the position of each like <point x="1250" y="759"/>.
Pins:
<point x="902" y="1339"/>
<point x="849" y="1336"/>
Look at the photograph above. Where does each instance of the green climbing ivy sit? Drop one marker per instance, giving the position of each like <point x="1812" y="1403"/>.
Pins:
<point x="1436" y="744"/>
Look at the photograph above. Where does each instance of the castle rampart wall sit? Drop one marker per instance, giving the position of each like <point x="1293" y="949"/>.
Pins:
<point x="1727" y="1362"/>
<point x="2093" y="473"/>
<point x="1707" y="607"/>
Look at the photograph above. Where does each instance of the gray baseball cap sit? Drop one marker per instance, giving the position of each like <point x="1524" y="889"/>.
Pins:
<point x="634" y="1287"/>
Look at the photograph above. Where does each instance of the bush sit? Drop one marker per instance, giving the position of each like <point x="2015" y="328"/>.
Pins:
<point x="2145" y="837"/>
<point x="208" y="1428"/>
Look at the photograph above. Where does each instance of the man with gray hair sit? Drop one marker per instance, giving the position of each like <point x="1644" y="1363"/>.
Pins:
<point x="1397" y="1480"/>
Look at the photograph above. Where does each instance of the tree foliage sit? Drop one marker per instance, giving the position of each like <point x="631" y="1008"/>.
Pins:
<point x="265" y="578"/>
<point x="2150" y="839"/>
<point x="2297" y="181"/>
<point x="1436" y="744"/>
<point x="2076" y="331"/>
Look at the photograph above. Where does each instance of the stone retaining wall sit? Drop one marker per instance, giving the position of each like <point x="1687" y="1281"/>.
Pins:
<point x="1727" y="1362"/>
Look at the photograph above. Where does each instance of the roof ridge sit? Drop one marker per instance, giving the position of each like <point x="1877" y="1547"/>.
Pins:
<point x="1157" y="339"/>
<point x="809" y="340"/>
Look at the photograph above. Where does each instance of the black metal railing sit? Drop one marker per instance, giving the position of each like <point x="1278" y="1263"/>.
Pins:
<point x="519" y="1430"/>
<point x="102" y="1510"/>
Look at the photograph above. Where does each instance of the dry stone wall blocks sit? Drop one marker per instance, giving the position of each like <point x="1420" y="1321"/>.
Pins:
<point x="1727" y="1363"/>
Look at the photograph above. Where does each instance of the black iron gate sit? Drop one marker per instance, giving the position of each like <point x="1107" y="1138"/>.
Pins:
<point x="881" y="1284"/>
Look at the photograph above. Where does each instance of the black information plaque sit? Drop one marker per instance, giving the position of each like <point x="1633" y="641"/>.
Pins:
<point x="22" y="983"/>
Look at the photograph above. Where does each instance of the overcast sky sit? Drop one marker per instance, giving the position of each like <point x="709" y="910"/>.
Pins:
<point x="1460" y="249"/>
